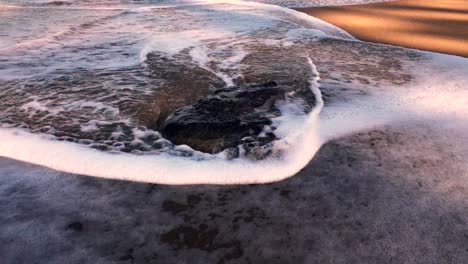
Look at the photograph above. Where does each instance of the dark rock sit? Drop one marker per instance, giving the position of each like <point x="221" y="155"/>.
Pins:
<point x="223" y="119"/>
<point x="75" y="226"/>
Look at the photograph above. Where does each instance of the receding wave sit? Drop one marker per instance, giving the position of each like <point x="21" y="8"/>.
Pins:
<point x="197" y="92"/>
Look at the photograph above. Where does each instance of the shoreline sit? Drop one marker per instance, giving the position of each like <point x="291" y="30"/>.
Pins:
<point x="436" y="25"/>
<point x="387" y="184"/>
<point x="356" y="200"/>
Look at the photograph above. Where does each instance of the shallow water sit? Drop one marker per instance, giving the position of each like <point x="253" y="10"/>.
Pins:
<point x="113" y="75"/>
<point x="81" y="74"/>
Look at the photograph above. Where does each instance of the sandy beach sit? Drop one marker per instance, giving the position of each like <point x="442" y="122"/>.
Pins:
<point x="388" y="183"/>
<point x="395" y="193"/>
<point x="436" y="25"/>
<point x="365" y="198"/>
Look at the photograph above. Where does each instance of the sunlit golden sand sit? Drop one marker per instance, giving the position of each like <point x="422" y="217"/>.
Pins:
<point x="434" y="25"/>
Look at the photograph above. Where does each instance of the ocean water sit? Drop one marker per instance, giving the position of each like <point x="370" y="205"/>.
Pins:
<point x="84" y="85"/>
<point x="313" y="3"/>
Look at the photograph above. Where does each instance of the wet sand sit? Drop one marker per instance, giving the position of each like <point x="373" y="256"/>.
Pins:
<point x="394" y="194"/>
<point x="365" y="198"/>
<point x="435" y="25"/>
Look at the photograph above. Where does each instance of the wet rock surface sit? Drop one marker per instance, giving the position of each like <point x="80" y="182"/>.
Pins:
<point x="234" y="117"/>
<point x="225" y="118"/>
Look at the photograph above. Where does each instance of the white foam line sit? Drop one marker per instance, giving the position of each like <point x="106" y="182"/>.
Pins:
<point x="166" y="169"/>
<point x="200" y="55"/>
<point x="315" y="87"/>
<point x="171" y="47"/>
<point x="324" y="26"/>
<point x="318" y="3"/>
<point x="63" y="7"/>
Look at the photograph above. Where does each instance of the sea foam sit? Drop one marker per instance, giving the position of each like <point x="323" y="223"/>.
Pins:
<point x="165" y="169"/>
<point x="436" y="96"/>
